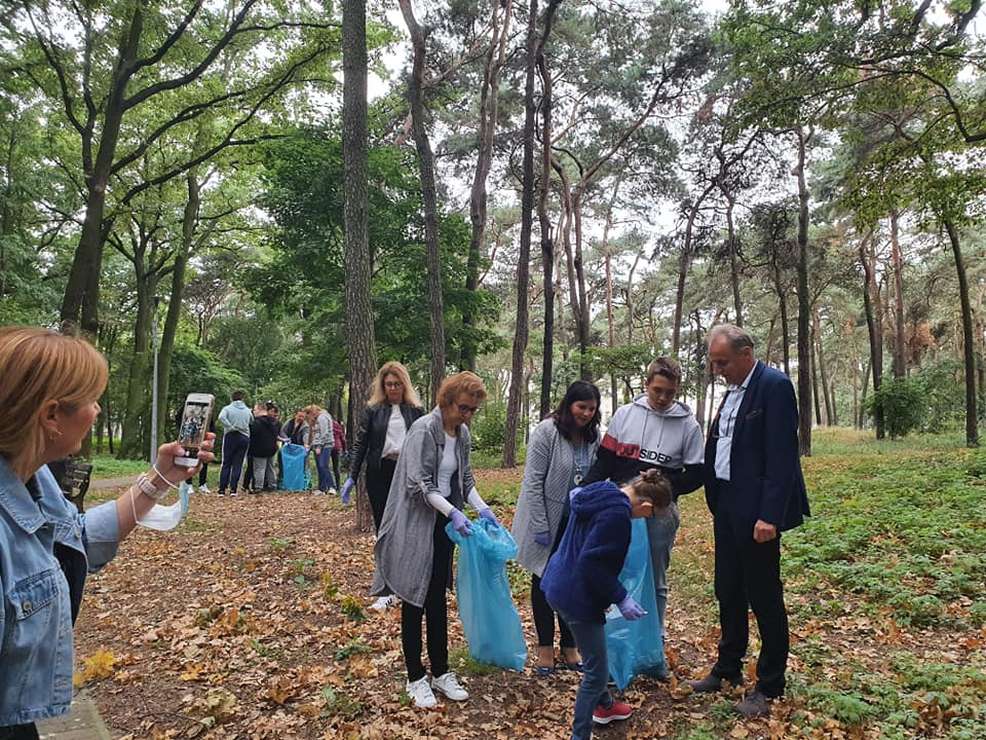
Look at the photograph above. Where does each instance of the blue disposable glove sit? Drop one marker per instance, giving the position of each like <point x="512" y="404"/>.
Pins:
<point x="489" y="516"/>
<point x="460" y="522"/>
<point x="543" y="539"/>
<point x="347" y="488"/>
<point x="630" y="609"/>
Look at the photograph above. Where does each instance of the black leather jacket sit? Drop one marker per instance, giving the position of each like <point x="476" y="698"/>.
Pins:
<point x="372" y="434"/>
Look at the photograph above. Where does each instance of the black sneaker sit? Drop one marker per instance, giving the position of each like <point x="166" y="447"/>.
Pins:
<point x="222" y="493"/>
<point x="712" y="684"/>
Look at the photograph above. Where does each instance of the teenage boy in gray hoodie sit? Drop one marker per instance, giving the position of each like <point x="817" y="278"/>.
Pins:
<point x="655" y="431"/>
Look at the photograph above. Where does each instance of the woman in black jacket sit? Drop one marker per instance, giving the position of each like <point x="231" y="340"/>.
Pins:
<point x="391" y="410"/>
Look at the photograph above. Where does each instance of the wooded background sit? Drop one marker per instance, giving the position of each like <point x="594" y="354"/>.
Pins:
<point x="536" y="191"/>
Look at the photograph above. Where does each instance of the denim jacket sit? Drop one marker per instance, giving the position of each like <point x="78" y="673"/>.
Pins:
<point x="38" y="526"/>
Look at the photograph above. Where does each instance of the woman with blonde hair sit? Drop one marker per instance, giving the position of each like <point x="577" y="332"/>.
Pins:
<point x="392" y="409"/>
<point x="48" y="402"/>
<point x="432" y="483"/>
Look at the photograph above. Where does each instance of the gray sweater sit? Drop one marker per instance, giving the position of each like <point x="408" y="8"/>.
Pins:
<point x="543" y="493"/>
<point x="405" y="547"/>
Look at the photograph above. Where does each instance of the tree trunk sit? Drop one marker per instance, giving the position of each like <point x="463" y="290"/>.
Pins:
<point x="80" y="303"/>
<point x="860" y="420"/>
<point x="971" y="425"/>
<point x="874" y="326"/>
<point x="608" y="259"/>
<point x="426" y="165"/>
<point x="535" y="48"/>
<point x="683" y="264"/>
<point x="478" y="197"/>
<point x="814" y="380"/>
<point x="785" y="333"/>
<point x="515" y="395"/>
<point x="361" y="345"/>
<point x="138" y="383"/>
<point x="900" y="339"/>
<point x="823" y="370"/>
<point x="733" y="259"/>
<point x="804" y="302"/>
<point x="547" y="242"/>
<point x="189" y="222"/>
<point x="583" y="302"/>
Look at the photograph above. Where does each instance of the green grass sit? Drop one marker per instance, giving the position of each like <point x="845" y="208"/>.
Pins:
<point x="106" y="466"/>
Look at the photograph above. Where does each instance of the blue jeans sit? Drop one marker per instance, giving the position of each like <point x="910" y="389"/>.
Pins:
<point x="323" y="463"/>
<point x="661" y="531"/>
<point x="590" y="637"/>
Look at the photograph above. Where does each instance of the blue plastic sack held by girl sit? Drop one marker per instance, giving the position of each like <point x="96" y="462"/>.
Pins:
<point x="293" y="468"/>
<point x="486" y="608"/>
<point x="636" y="647"/>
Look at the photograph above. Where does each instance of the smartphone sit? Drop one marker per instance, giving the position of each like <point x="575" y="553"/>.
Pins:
<point x="194" y="425"/>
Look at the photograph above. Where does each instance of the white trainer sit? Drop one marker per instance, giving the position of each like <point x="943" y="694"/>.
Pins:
<point x="449" y="685"/>
<point x="318" y="492"/>
<point x="421" y="694"/>
<point x="203" y="489"/>
<point x="380" y="604"/>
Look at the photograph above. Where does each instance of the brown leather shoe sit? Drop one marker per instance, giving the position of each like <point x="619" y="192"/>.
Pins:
<point x="754" y="704"/>
<point x="712" y="684"/>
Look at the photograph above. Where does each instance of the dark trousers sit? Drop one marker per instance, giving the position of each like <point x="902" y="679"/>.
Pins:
<point x="544" y="619"/>
<point x="322" y="460"/>
<point x="248" y="473"/>
<point x="378" y="487"/>
<point x="748" y="576"/>
<point x="544" y="615"/>
<point x="203" y="474"/>
<point x="235" y="447"/>
<point x="19" y="732"/>
<point x="435" y="611"/>
<point x="592" y="693"/>
<point x="335" y="464"/>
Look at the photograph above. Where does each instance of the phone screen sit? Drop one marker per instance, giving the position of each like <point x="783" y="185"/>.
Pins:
<point x="194" y="425"/>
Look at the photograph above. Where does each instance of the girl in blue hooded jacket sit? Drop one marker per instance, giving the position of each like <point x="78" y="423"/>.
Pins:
<point x="581" y="581"/>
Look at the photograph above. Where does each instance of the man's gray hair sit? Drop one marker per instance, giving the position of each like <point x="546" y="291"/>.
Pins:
<point x="739" y="338"/>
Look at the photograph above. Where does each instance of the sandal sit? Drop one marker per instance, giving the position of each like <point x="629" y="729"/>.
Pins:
<point x="578" y="667"/>
<point x="543" y="671"/>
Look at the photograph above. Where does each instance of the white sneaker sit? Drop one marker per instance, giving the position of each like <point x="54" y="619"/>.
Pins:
<point x="203" y="489"/>
<point x="317" y="492"/>
<point x="233" y="494"/>
<point x="449" y="685"/>
<point x="333" y="492"/>
<point x="380" y="604"/>
<point x="421" y="694"/>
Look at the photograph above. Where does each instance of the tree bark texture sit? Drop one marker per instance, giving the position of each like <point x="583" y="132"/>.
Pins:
<point x="874" y="325"/>
<point x="969" y="350"/>
<point x="547" y="240"/>
<point x="804" y="301"/>
<point x="361" y="345"/>
<point x="426" y="165"/>
<point x="900" y="334"/>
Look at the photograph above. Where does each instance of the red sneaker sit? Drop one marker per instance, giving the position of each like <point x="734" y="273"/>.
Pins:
<point x="617" y="710"/>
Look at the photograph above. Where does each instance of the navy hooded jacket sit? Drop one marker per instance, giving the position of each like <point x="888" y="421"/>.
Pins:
<point x="581" y="579"/>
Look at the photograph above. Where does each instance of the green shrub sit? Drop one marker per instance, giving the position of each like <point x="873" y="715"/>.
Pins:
<point x="904" y="405"/>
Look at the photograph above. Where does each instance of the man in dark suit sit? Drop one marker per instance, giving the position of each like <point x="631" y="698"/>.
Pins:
<point x="755" y="491"/>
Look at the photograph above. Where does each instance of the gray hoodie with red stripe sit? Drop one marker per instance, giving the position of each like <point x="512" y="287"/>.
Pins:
<point x="641" y="437"/>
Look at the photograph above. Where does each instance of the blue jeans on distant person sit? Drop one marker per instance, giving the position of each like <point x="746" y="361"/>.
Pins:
<point x="590" y="638"/>
<point x="661" y="531"/>
<point x="323" y="463"/>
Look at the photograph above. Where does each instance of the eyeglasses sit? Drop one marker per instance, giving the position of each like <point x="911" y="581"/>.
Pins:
<point x="464" y="409"/>
<point x="393" y="384"/>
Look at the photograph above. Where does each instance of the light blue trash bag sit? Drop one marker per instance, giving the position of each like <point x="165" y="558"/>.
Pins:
<point x="293" y="467"/>
<point x="636" y="647"/>
<point x="486" y="608"/>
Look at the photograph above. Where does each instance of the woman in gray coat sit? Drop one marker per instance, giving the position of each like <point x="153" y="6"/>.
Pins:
<point x="559" y="454"/>
<point x="432" y="483"/>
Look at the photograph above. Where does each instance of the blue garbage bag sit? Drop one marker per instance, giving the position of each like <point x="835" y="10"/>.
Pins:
<point x="293" y="474"/>
<point x="486" y="608"/>
<point x="636" y="647"/>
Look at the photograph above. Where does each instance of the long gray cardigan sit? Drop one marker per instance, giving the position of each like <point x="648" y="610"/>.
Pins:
<point x="405" y="549"/>
<point x="547" y="476"/>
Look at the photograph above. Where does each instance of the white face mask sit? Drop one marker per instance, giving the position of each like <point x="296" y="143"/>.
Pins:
<point x="166" y="518"/>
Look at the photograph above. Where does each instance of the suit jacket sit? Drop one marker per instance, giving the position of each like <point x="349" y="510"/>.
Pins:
<point x="764" y="465"/>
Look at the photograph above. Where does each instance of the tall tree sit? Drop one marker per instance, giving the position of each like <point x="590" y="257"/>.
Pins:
<point x="360" y="342"/>
<point x="426" y="166"/>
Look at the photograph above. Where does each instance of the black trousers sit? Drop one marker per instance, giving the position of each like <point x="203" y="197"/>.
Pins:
<point x="235" y="446"/>
<point x="19" y="732"/>
<point x="544" y="615"/>
<point x="748" y="576"/>
<point x="335" y="465"/>
<point x="435" y="612"/>
<point x="203" y="474"/>
<point x="378" y="487"/>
